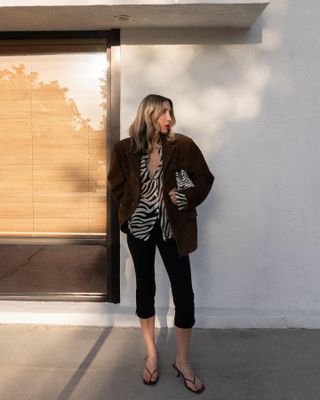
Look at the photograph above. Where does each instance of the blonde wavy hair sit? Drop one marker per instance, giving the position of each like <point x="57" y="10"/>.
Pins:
<point x="144" y="128"/>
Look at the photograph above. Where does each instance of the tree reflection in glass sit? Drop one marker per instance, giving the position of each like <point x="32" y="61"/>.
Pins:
<point x="53" y="145"/>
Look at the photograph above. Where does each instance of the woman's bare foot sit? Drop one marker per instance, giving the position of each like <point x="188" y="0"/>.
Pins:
<point x="150" y="372"/>
<point x="185" y="368"/>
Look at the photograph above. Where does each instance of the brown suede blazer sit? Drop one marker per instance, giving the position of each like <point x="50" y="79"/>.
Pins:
<point x="183" y="153"/>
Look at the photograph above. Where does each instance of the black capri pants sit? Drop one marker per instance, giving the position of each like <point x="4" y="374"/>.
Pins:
<point x="179" y="272"/>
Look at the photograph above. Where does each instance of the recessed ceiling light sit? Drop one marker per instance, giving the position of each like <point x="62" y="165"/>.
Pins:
<point x="122" y="18"/>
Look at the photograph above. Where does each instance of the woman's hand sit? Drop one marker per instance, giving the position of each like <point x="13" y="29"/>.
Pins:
<point x="173" y="197"/>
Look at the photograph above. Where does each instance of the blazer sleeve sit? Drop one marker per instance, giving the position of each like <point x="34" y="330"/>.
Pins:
<point x="200" y="175"/>
<point x="116" y="176"/>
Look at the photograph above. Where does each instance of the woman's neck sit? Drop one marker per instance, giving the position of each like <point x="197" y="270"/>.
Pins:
<point x="155" y="143"/>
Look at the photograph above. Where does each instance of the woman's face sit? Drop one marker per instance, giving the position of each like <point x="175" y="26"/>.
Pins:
<point x="165" y="118"/>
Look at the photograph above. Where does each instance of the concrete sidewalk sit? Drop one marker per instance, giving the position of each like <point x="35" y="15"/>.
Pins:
<point x="89" y="363"/>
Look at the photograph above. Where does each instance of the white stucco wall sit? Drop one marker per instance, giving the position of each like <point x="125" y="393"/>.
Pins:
<point x="252" y="108"/>
<point x="250" y="101"/>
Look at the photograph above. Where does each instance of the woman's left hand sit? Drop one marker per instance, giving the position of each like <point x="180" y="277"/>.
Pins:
<point x="173" y="197"/>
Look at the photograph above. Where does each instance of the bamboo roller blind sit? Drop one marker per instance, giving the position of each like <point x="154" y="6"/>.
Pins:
<point x="53" y="141"/>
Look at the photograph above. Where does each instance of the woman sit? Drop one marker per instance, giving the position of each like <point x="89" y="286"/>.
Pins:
<point x="158" y="177"/>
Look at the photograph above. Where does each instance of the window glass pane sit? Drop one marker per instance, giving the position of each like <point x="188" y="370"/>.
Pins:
<point x="53" y="146"/>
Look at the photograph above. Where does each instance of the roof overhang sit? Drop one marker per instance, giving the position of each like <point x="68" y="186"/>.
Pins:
<point x="58" y="15"/>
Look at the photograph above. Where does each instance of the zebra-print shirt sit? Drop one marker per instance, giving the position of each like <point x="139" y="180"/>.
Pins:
<point x="183" y="183"/>
<point x="151" y="204"/>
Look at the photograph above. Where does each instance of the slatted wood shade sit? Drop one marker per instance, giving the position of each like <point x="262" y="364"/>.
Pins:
<point x="53" y="140"/>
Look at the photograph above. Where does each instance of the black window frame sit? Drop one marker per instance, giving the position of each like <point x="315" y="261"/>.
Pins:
<point x="112" y="38"/>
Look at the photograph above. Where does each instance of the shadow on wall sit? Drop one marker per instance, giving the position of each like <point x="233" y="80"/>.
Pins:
<point x="218" y="81"/>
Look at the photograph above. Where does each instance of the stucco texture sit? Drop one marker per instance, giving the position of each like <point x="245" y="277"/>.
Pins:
<point x="252" y="107"/>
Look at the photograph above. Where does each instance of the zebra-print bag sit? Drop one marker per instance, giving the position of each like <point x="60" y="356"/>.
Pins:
<point x="183" y="181"/>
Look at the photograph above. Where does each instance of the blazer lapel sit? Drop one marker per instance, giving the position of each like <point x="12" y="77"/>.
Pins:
<point x="134" y="163"/>
<point x="168" y="148"/>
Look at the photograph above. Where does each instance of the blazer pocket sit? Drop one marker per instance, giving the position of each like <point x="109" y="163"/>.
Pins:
<point x="183" y="180"/>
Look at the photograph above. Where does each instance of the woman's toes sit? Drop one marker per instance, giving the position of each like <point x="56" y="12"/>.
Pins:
<point x="198" y="382"/>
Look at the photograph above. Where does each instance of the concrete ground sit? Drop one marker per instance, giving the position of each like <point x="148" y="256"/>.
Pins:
<point x="90" y="363"/>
